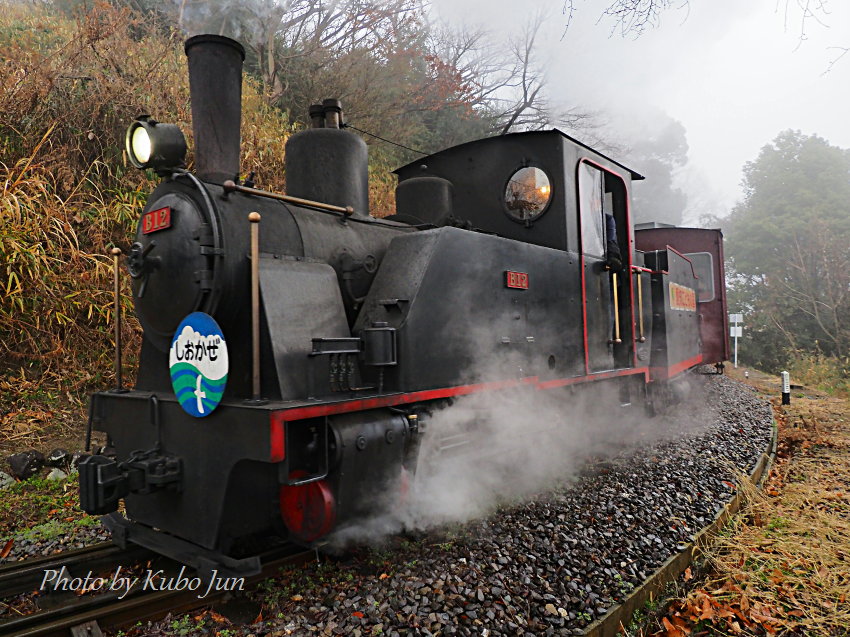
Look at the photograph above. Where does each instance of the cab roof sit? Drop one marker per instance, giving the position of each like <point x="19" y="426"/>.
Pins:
<point x="471" y="146"/>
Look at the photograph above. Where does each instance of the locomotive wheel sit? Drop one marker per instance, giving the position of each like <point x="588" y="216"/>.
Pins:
<point x="308" y="510"/>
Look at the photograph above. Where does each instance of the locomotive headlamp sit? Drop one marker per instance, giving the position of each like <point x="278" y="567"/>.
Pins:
<point x="152" y="144"/>
<point x="140" y="145"/>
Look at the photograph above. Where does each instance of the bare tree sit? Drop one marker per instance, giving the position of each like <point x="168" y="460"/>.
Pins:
<point x="526" y="78"/>
<point x="818" y="283"/>
<point x="279" y="31"/>
<point x="507" y="81"/>
<point x="633" y="17"/>
<point x="630" y="17"/>
<point x="805" y="13"/>
<point x="321" y="31"/>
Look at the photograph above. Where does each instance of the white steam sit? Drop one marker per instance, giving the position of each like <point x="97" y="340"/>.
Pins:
<point x="499" y="447"/>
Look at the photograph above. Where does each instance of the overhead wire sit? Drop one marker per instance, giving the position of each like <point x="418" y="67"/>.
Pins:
<point x="383" y="139"/>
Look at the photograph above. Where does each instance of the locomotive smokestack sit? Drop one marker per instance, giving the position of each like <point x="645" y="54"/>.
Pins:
<point x="215" y="84"/>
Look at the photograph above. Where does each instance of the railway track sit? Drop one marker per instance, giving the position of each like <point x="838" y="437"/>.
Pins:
<point x="61" y="613"/>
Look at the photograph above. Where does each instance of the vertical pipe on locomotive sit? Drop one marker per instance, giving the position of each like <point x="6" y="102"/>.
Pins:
<point x="215" y="86"/>
<point x="116" y="256"/>
<point x="254" y="219"/>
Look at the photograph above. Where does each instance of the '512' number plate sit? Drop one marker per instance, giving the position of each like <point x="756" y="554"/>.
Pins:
<point x="156" y="220"/>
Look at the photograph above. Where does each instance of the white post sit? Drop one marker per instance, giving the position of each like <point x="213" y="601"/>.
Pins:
<point x="786" y="388"/>
<point x="736" y="347"/>
<point x="736" y="332"/>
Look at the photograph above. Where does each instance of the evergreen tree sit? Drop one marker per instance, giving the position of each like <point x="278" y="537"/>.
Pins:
<point x="788" y="249"/>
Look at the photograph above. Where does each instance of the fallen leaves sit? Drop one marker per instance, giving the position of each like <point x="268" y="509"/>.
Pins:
<point x="781" y="566"/>
<point x="724" y="609"/>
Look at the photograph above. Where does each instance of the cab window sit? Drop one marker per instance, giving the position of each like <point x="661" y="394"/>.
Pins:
<point x="601" y="194"/>
<point x="591" y="196"/>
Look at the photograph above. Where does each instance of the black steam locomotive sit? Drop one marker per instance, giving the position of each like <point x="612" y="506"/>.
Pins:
<point x="289" y="407"/>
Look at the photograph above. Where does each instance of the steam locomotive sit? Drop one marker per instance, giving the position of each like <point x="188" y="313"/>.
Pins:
<point x="294" y="345"/>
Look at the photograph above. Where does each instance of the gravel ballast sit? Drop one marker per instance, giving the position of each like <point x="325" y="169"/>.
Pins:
<point x="550" y="565"/>
<point x="553" y="564"/>
<point x="51" y="538"/>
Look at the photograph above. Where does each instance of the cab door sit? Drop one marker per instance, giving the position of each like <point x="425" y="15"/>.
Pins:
<point x="605" y="262"/>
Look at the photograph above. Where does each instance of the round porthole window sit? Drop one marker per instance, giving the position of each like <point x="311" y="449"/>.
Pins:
<point x="527" y="194"/>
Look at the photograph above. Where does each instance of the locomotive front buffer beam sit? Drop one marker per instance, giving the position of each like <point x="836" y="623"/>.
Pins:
<point x="286" y="473"/>
<point x="104" y="481"/>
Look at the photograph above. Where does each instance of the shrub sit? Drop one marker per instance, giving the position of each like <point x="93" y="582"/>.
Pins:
<point x="68" y="91"/>
<point x="826" y="373"/>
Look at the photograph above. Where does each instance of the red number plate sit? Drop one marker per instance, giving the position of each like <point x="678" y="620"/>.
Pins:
<point x="517" y="280"/>
<point x="156" y="220"/>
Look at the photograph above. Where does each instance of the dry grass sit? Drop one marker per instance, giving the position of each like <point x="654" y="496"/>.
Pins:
<point x="66" y="197"/>
<point x="66" y="194"/>
<point x="830" y="374"/>
<point x="68" y="90"/>
<point x="781" y="566"/>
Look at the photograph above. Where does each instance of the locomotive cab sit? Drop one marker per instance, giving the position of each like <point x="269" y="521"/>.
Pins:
<point x="540" y="189"/>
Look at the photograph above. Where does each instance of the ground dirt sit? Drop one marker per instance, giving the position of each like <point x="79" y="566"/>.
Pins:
<point x="39" y="411"/>
<point x="781" y="565"/>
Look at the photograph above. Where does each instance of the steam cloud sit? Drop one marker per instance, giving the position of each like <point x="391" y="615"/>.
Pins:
<point x="227" y="17"/>
<point x="498" y="448"/>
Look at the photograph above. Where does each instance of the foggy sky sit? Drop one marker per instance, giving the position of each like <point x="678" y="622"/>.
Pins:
<point x="733" y="73"/>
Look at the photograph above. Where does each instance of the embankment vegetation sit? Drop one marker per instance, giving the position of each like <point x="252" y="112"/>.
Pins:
<point x="780" y="565"/>
<point x="68" y="89"/>
<point x="74" y="74"/>
<point x="788" y="265"/>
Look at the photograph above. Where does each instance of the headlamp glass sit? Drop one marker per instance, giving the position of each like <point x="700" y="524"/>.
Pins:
<point x="152" y="144"/>
<point x="140" y="145"/>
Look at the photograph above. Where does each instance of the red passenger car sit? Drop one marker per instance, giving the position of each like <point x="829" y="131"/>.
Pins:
<point x="704" y="248"/>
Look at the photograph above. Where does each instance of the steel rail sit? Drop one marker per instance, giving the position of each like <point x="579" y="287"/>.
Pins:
<point x="107" y="611"/>
<point x="26" y="575"/>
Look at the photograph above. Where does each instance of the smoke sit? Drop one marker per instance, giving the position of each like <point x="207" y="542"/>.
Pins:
<point x="236" y="19"/>
<point x="500" y="447"/>
<point x="198" y="17"/>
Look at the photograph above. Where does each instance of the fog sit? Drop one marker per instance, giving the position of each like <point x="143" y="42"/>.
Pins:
<point x="735" y="74"/>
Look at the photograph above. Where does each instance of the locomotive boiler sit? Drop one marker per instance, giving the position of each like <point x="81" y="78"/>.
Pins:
<point x="294" y="410"/>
